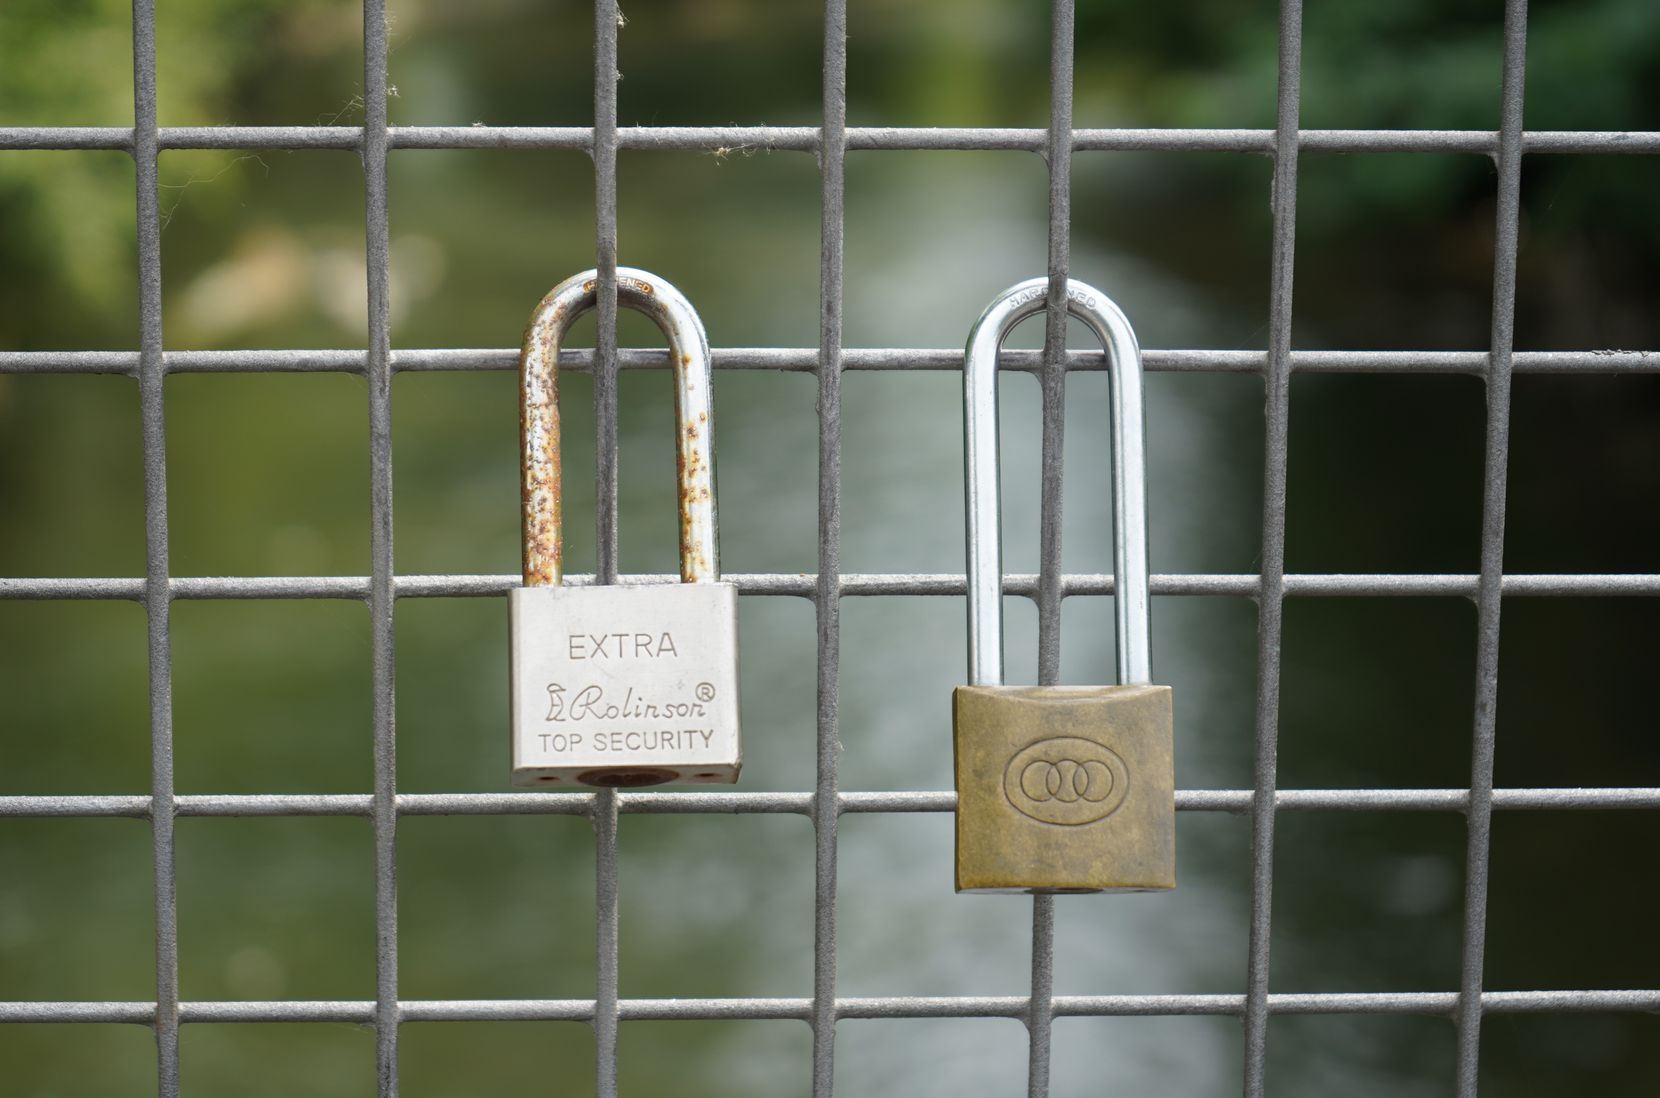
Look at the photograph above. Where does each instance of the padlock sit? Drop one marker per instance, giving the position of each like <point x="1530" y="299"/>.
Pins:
<point x="624" y="684"/>
<point x="1061" y="788"/>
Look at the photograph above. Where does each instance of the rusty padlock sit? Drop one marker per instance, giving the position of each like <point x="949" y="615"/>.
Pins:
<point x="1061" y="788"/>
<point x="623" y="684"/>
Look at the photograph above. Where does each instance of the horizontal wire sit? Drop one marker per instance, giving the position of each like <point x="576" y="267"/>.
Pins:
<point x="804" y="360"/>
<point x="1235" y="801"/>
<point x="728" y="139"/>
<point x="362" y="1012"/>
<point x="803" y="585"/>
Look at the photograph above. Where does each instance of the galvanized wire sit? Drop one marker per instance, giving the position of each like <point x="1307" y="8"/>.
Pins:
<point x="382" y="589"/>
<point x="1490" y="588"/>
<point x="805" y="360"/>
<point x="607" y="883"/>
<point x="157" y="591"/>
<point x="1052" y="380"/>
<point x="830" y="142"/>
<point x="827" y="585"/>
<point x="857" y="138"/>
<point x="1271" y="592"/>
<point x="1230" y="801"/>
<point x="1421" y="1003"/>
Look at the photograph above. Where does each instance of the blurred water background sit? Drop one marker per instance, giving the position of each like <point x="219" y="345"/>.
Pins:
<point x="268" y="475"/>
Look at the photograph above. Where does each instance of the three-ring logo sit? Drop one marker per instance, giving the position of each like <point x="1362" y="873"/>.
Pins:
<point x="1066" y="780"/>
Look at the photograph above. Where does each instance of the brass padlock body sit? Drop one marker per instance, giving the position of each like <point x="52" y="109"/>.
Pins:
<point x="1065" y="788"/>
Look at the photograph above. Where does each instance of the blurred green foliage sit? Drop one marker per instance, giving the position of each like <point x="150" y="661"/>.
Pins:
<point x="268" y="476"/>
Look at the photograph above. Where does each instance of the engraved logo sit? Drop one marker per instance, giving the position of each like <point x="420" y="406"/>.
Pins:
<point x="1067" y="780"/>
<point x="593" y="703"/>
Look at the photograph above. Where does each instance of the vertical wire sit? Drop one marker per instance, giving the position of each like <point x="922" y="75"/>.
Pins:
<point x="1053" y="371"/>
<point x="382" y="600"/>
<point x="606" y="882"/>
<point x="605" y="248"/>
<point x="1040" y="1017"/>
<point x="1488" y="584"/>
<point x="157" y="585"/>
<point x="827" y="597"/>
<point x="1270" y="599"/>
<point x="606" y="888"/>
<point x="1052" y="374"/>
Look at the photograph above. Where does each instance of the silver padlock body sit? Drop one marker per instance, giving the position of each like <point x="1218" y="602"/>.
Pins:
<point x="624" y="685"/>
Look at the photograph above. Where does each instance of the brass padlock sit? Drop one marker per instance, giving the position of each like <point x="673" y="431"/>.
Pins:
<point x="623" y="684"/>
<point x="1061" y="788"/>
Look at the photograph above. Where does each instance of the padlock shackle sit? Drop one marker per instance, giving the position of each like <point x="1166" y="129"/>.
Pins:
<point x="1129" y="476"/>
<point x="694" y="417"/>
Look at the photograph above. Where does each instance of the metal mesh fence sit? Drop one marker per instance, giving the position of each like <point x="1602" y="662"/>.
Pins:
<point x="826" y="802"/>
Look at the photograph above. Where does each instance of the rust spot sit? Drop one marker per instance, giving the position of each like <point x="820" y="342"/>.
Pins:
<point x="694" y="569"/>
<point x="685" y="360"/>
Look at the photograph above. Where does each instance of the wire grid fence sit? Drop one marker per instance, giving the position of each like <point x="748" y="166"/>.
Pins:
<point x="830" y="142"/>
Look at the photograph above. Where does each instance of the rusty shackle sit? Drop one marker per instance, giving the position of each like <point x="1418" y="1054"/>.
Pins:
<point x="540" y="480"/>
